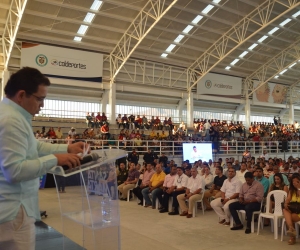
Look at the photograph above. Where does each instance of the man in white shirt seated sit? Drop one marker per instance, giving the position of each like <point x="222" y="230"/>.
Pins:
<point x="179" y="186"/>
<point x="229" y="194"/>
<point x="240" y="174"/>
<point x="195" y="187"/>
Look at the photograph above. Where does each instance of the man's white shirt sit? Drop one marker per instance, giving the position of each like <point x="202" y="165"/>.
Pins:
<point x="196" y="183"/>
<point x="231" y="187"/>
<point x="181" y="181"/>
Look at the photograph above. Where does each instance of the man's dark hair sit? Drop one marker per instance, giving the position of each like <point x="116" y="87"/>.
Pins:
<point x="152" y="164"/>
<point x="27" y="79"/>
<point x="220" y="168"/>
<point x="259" y="168"/>
<point x="249" y="175"/>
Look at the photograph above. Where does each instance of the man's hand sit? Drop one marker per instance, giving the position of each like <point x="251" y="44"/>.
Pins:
<point x="241" y="200"/>
<point x="78" y="147"/>
<point x="211" y="190"/>
<point x="224" y="201"/>
<point x="70" y="160"/>
<point x="188" y="195"/>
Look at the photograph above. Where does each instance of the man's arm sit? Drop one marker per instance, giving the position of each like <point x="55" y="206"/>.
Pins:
<point x="15" y="165"/>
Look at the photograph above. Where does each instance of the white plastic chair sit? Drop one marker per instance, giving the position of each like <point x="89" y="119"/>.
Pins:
<point x="128" y="192"/>
<point x="196" y="206"/>
<point x="242" y="214"/>
<point x="156" y="202"/>
<point x="170" y="208"/>
<point x="279" y="197"/>
<point x="297" y="224"/>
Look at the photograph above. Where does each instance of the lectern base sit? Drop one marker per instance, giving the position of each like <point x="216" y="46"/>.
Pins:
<point x="47" y="238"/>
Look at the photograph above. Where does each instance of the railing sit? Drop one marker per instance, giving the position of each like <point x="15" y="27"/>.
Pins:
<point x="175" y="147"/>
<point x="66" y="115"/>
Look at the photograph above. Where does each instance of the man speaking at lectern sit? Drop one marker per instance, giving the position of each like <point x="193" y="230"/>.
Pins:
<point x="23" y="159"/>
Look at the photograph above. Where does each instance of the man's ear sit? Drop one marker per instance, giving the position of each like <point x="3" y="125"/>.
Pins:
<point x="19" y="96"/>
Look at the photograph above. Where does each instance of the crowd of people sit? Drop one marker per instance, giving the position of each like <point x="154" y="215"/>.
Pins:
<point x="227" y="186"/>
<point x="133" y="129"/>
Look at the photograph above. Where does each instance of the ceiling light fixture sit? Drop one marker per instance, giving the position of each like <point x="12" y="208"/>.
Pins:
<point x="96" y="5"/>
<point x="292" y="65"/>
<point x="188" y="29"/>
<point x="228" y="68"/>
<point x="252" y="46"/>
<point x="234" y="61"/>
<point x="207" y="9"/>
<point x="171" y="47"/>
<point x="296" y="14"/>
<point x="164" y="55"/>
<point x="89" y="17"/>
<point x="179" y="38"/>
<point x="77" y="38"/>
<point x="271" y="32"/>
<point x="197" y="19"/>
<point x="243" y="54"/>
<point x="285" y="22"/>
<point x="283" y="71"/>
<point x="262" y="39"/>
<point x="82" y="29"/>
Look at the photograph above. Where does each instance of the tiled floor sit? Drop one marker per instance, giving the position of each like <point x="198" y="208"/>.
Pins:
<point x="147" y="229"/>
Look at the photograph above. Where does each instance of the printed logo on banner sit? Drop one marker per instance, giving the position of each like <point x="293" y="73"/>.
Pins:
<point x="54" y="62"/>
<point x="208" y="84"/>
<point x="41" y="60"/>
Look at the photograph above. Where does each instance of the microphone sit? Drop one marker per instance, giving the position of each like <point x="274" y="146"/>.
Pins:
<point x="85" y="159"/>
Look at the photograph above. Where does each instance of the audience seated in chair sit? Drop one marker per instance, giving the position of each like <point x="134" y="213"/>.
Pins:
<point x="122" y="174"/>
<point x="240" y="174"/>
<point x="290" y="217"/>
<point x="167" y="190"/>
<point x="145" y="182"/>
<point x="155" y="187"/>
<point x="130" y="183"/>
<point x="250" y="196"/>
<point x="214" y="191"/>
<point x="229" y="194"/>
<point x="259" y="176"/>
<point x="193" y="192"/>
<point x="179" y="187"/>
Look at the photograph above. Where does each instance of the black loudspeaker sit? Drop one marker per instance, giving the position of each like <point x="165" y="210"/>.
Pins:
<point x="284" y="146"/>
<point x="215" y="146"/>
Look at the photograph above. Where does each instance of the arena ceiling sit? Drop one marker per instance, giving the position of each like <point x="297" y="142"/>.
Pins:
<point x="189" y="39"/>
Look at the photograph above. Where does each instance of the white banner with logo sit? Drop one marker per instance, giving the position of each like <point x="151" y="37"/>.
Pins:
<point x="63" y="63"/>
<point x="270" y="92"/>
<point x="220" y="85"/>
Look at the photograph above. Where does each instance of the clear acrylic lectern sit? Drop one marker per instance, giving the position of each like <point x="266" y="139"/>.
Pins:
<point x="81" y="206"/>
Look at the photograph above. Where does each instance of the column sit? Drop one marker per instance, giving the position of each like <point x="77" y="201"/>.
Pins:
<point x="247" y="112"/>
<point x="291" y="114"/>
<point x="179" y="110"/>
<point x="190" y="109"/>
<point x="104" y="101"/>
<point x="5" y="77"/>
<point x="112" y="103"/>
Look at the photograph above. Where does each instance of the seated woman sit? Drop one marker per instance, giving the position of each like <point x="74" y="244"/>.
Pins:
<point x="290" y="217"/>
<point x="277" y="185"/>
